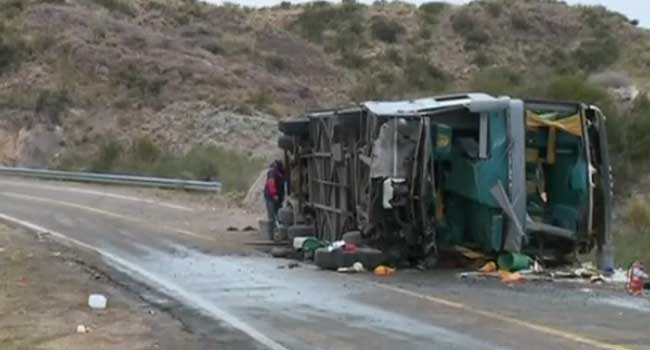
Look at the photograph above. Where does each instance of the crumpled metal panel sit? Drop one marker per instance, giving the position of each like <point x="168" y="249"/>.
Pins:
<point x="411" y="107"/>
<point x="393" y="149"/>
<point x="517" y="185"/>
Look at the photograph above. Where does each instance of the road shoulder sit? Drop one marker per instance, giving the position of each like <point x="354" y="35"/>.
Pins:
<point x="44" y="288"/>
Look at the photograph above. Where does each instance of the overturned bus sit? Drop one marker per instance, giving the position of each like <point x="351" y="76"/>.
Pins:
<point x="418" y="177"/>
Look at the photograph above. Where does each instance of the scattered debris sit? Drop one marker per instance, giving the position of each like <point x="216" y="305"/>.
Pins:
<point x="97" y="301"/>
<point x="267" y="243"/>
<point x="384" y="271"/>
<point x="514" y="262"/>
<point x="489" y="267"/>
<point x="310" y="244"/>
<point x="298" y="242"/>
<point x="82" y="329"/>
<point x="56" y="254"/>
<point x="281" y="252"/>
<point x="511" y="277"/>
<point x="291" y="265"/>
<point x="468" y="253"/>
<point x="232" y="228"/>
<point x="248" y="228"/>
<point x="356" y="267"/>
<point x="636" y="279"/>
<point x="619" y="276"/>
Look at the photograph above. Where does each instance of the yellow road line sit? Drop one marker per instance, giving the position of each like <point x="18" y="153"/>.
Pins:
<point x="493" y="315"/>
<point x="100" y="212"/>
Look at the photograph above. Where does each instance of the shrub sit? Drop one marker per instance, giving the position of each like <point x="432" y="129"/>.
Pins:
<point x="12" y="47"/>
<point x="577" y="88"/>
<point x="598" y="52"/>
<point x="107" y="156"/>
<point x="351" y="59"/>
<point x="429" y="12"/>
<point x="421" y="76"/>
<point x="519" y="21"/>
<point x="261" y="99"/>
<point x="633" y="244"/>
<point x="466" y="25"/>
<point x="482" y="59"/>
<point x="276" y="63"/>
<point x="235" y="170"/>
<point x="320" y="16"/>
<point x="497" y="81"/>
<point x="145" y="151"/>
<point x="494" y="8"/>
<point x="385" y="29"/>
<point x="637" y="213"/>
<point x="12" y="8"/>
<point x="119" y="6"/>
<point x="144" y="85"/>
<point x="52" y="104"/>
<point x="394" y="56"/>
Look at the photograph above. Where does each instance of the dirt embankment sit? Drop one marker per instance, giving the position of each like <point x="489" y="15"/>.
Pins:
<point x="43" y="298"/>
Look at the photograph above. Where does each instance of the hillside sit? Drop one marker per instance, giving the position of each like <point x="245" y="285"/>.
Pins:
<point x="135" y="85"/>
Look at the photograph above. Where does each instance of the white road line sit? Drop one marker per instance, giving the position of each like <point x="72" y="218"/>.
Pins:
<point x="188" y="297"/>
<point x="99" y="193"/>
<point x="102" y="212"/>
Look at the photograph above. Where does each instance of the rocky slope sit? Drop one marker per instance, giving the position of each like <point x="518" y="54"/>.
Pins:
<point x="75" y="74"/>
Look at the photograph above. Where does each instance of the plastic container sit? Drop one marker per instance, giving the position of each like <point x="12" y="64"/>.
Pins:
<point x="513" y="262"/>
<point x="97" y="301"/>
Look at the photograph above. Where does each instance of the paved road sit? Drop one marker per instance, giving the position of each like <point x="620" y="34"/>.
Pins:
<point x="255" y="302"/>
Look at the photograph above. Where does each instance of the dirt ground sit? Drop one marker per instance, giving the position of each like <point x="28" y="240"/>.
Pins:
<point x="43" y="298"/>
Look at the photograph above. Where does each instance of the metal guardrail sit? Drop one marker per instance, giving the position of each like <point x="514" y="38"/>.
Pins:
<point x="208" y="186"/>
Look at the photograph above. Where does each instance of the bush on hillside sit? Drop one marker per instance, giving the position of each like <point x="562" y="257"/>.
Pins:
<point x="497" y="81"/>
<point x="469" y="27"/>
<point x="385" y="29"/>
<point x="12" y="47"/>
<point x="494" y="8"/>
<point x="578" y="88"/>
<point x="51" y="104"/>
<point x="235" y="170"/>
<point x="598" y="53"/>
<point x="423" y="77"/>
<point x="431" y="11"/>
<point x="120" y="6"/>
<point x="319" y="16"/>
<point x="12" y="8"/>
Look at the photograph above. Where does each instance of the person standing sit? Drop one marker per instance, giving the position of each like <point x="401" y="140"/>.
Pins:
<point x="274" y="193"/>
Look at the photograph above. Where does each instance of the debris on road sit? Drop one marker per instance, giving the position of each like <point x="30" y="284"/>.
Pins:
<point x="291" y="265"/>
<point x="514" y="262"/>
<point x="82" y="329"/>
<point x="356" y="267"/>
<point x="384" y="271"/>
<point x="511" y="277"/>
<point x="232" y="229"/>
<point x="281" y="252"/>
<point x="489" y="267"/>
<point x="97" y="301"/>
<point x="636" y="279"/>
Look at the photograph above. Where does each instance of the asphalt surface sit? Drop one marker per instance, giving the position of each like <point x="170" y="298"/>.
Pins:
<point x="252" y="301"/>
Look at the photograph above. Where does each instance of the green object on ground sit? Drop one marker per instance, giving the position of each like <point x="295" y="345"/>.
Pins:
<point x="513" y="262"/>
<point x="311" y="244"/>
